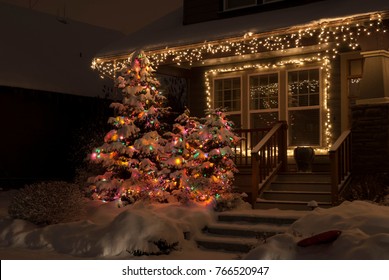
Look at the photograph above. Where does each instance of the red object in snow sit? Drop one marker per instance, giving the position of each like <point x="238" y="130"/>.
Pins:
<point x="321" y="238"/>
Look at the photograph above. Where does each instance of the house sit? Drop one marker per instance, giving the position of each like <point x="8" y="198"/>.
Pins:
<point x="322" y="71"/>
<point x="47" y="92"/>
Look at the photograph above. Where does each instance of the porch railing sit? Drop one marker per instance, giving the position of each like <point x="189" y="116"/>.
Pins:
<point x="250" y="137"/>
<point x="268" y="157"/>
<point x="340" y="161"/>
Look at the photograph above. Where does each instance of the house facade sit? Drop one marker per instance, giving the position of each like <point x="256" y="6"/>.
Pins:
<point x="302" y="62"/>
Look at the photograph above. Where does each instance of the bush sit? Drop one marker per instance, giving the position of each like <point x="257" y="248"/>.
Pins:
<point x="48" y="203"/>
<point x="369" y="186"/>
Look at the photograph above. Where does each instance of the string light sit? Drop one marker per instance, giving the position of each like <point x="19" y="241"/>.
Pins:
<point x="329" y="36"/>
<point x="325" y="66"/>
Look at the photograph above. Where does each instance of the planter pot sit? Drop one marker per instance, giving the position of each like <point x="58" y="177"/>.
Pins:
<point x="304" y="158"/>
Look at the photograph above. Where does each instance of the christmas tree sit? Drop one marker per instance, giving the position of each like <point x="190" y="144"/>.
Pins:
<point x="201" y="159"/>
<point x="180" y="150"/>
<point x="134" y="148"/>
<point x="212" y="164"/>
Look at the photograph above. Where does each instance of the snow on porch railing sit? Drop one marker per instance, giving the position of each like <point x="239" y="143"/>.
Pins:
<point x="250" y="137"/>
<point x="268" y="157"/>
<point x="340" y="160"/>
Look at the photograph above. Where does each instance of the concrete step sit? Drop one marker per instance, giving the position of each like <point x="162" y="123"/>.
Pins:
<point x="287" y="205"/>
<point x="259" y="219"/>
<point x="245" y="230"/>
<point x="241" y="231"/>
<point x="234" y="244"/>
<point x="296" y="195"/>
<point x="300" y="186"/>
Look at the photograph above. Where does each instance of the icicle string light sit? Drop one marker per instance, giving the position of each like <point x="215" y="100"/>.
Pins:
<point x="325" y="66"/>
<point x="329" y="36"/>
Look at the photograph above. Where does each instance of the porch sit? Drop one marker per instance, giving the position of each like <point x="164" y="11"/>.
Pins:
<point x="270" y="177"/>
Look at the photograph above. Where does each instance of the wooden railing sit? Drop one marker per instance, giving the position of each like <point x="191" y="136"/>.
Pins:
<point x="250" y="137"/>
<point x="268" y="157"/>
<point x="340" y="160"/>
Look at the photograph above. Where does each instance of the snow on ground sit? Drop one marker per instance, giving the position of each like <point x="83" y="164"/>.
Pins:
<point x="109" y="232"/>
<point x="365" y="235"/>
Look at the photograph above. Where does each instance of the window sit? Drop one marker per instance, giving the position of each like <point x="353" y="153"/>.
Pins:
<point x="304" y="107"/>
<point x="263" y="98"/>
<point x="227" y="94"/>
<point x="238" y="4"/>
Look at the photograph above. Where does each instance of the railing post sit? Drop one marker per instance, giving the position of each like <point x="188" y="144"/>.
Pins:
<point x="334" y="161"/>
<point x="254" y="178"/>
<point x="283" y="148"/>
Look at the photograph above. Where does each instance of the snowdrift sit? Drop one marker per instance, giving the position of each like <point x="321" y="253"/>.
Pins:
<point x="365" y="235"/>
<point x="109" y="231"/>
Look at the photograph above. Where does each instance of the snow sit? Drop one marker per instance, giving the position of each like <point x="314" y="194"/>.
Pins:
<point x="365" y="235"/>
<point x="39" y="52"/>
<point x="169" y="30"/>
<point x="110" y="232"/>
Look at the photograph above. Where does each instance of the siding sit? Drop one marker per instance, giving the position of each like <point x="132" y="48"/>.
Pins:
<point x="46" y="135"/>
<point x="200" y="10"/>
<point x="205" y="10"/>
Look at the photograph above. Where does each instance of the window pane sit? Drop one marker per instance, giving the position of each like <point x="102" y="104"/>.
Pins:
<point x="235" y="119"/>
<point x="304" y="127"/>
<point x="261" y="120"/>
<point x="218" y="104"/>
<point x="218" y="85"/>
<point x="227" y="84"/>
<point x="236" y="83"/>
<point x="227" y="94"/>
<point x="304" y="88"/>
<point x="314" y="100"/>
<point x="273" y="102"/>
<point x="303" y="100"/>
<point x="263" y="92"/>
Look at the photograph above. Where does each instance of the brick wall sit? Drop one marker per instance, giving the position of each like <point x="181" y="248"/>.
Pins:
<point x="370" y="132"/>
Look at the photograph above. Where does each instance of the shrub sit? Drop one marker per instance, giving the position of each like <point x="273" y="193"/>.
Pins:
<point x="48" y="203"/>
<point x="373" y="187"/>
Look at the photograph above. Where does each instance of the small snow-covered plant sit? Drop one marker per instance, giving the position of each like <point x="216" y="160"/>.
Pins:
<point x="48" y="203"/>
<point x="163" y="246"/>
<point x="230" y="201"/>
<point x="367" y="186"/>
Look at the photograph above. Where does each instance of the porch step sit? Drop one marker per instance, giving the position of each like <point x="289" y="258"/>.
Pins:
<point x="241" y="231"/>
<point x="300" y="186"/>
<point x="297" y="195"/>
<point x="294" y="190"/>
<point x="304" y="177"/>
<point x="222" y="243"/>
<point x="287" y="204"/>
<point x="321" y="163"/>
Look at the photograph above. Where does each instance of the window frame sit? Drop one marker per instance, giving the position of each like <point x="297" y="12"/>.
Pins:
<point x="224" y="77"/>
<point x="301" y="108"/>
<point x="272" y="110"/>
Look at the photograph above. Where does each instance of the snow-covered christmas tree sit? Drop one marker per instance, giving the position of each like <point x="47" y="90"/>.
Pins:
<point x="180" y="150"/>
<point x="212" y="164"/>
<point x="201" y="158"/>
<point x="134" y="148"/>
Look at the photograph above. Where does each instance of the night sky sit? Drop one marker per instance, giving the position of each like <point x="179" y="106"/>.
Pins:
<point x="125" y="16"/>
